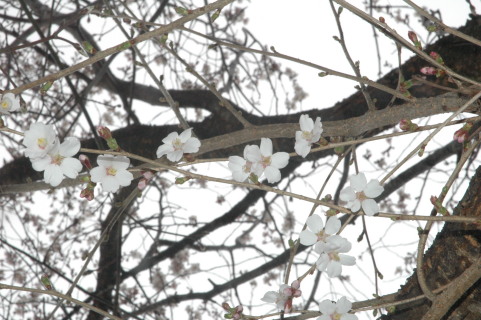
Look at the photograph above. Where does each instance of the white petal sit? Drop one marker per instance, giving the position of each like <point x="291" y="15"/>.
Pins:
<point x="120" y="162"/>
<point x="279" y="160"/>
<point x="175" y="156"/>
<point x="333" y="225"/>
<point x="105" y="160"/>
<point x="358" y="182"/>
<point x="373" y="189"/>
<point x="71" y="167"/>
<point x="185" y="135"/>
<point x="164" y="149"/>
<point x="347" y="260"/>
<point x="370" y="207"/>
<point x="302" y="148"/>
<point x="306" y="123"/>
<point x="270" y="297"/>
<point x="240" y="176"/>
<point x="354" y="205"/>
<point x="171" y="137"/>
<point x="53" y="175"/>
<point x="236" y="163"/>
<point x="191" y="146"/>
<point x="343" y="305"/>
<point x="307" y="238"/>
<point x="39" y="164"/>
<point x="314" y="223"/>
<point x="252" y="153"/>
<point x="266" y="147"/>
<point x="124" y="177"/>
<point x="273" y="175"/>
<point x="97" y="174"/>
<point x="334" y="269"/>
<point x="347" y="194"/>
<point x="327" y="307"/>
<point x="110" y="184"/>
<point x="69" y="147"/>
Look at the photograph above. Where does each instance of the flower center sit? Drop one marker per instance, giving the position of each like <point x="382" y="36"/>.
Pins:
<point x="247" y="167"/>
<point x="307" y="135"/>
<point x="177" y="144"/>
<point x="334" y="256"/>
<point x="266" y="161"/>
<point x="321" y="236"/>
<point x="336" y="316"/>
<point x="111" y="171"/>
<point x="361" y="196"/>
<point x="57" y="159"/>
<point x="6" y="103"/>
<point x="42" y="143"/>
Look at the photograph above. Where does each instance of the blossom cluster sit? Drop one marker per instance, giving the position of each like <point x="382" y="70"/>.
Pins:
<point x="47" y="154"/>
<point x="330" y="247"/>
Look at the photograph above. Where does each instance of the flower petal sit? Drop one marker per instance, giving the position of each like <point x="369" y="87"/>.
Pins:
<point x="69" y="147"/>
<point x="279" y="160"/>
<point x="71" y="167"/>
<point x="370" y="207"/>
<point x="347" y="194"/>
<point x="306" y="123"/>
<point x="270" y="297"/>
<point x="273" y="175"/>
<point x="314" y="223"/>
<point x="191" y="146"/>
<point x="307" y="238"/>
<point x="53" y="175"/>
<point x="333" y="225"/>
<point x="185" y="135"/>
<point x="358" y="181"/>
<point x="373" y="189"/>
<point x="266" y="147"/>
<point x="354" y="205"/>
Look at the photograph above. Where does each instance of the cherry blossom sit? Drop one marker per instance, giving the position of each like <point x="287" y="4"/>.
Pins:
<point x="331" y="257"/>
<point x="316" y="231"/>
<point x="176" y="145"/>
<point x="242" y="168"/>
<point x="269" y="163"/>
<point x="9" y="103"/>
<point x="283" y="298"/>
<point x="310" y="133"/>
<point x="58" y="162"/>
<point x="39" y="140"/>
<point x="336" y="310"/>
<point x="360" y="194"/>
<point x="112" y="172"/>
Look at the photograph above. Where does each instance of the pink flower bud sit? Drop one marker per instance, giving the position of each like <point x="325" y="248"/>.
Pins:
<point x="412" y="36"/>
<point x="460" y="136"/>
<point x="430" y="71"/>
<point x="104" y="132"/>
<point x="148" y="175"/>
<point x="142" y="184"/>
<point x="85" y="161"/>
<point x="434" y="55"/>
<point x="87" y="193"/>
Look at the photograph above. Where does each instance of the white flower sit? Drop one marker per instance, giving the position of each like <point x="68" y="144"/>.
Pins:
<point x="269" y="163"/>
<point x="59" y="162"/>
<point x="176" y="145"/>
<point x="317" y="232"/>
<point x="242" y="168"/>
<point x="283" y="298"/>
<point x="360" y="194"/>
<point x="310" y="133"/>
<point x="336" y="310"/>
<point x="331" y="258"/>
<point x="39" y="140"/>
<point x="9" y="103"/>
<point x="112" y="172"/>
